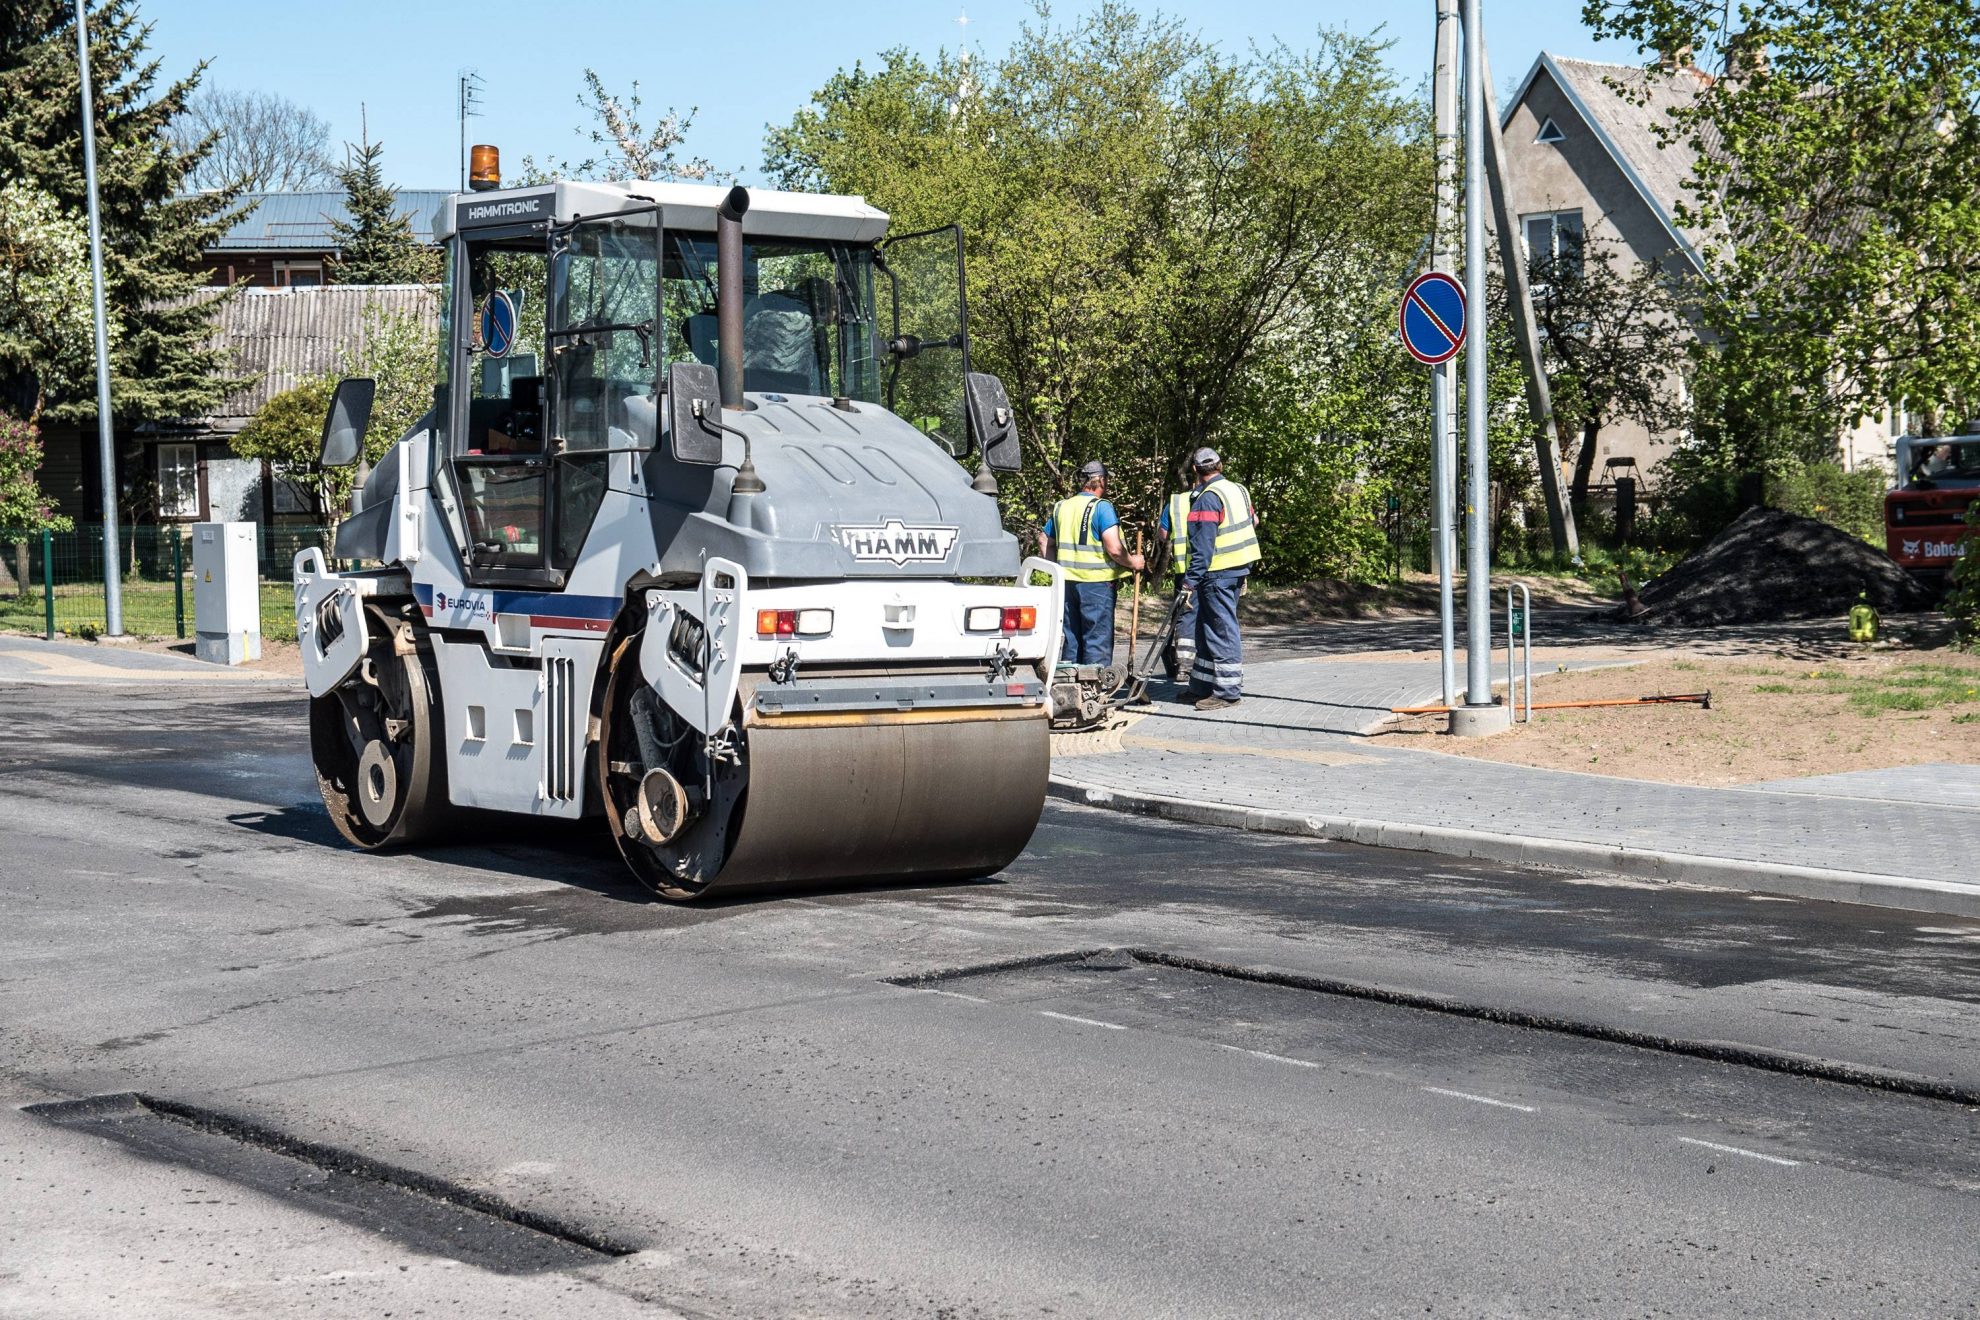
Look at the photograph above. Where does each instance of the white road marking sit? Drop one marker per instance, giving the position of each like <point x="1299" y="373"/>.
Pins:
<point x="1268" y="1057"/>
<point x="952" y="994"/>
<point x="1479" y="1099"/>
<point x="1735" y="1150"/>
<point x="1084" y="1022"/>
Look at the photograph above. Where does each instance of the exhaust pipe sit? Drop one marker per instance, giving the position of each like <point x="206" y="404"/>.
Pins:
<point x="729" y="293"/>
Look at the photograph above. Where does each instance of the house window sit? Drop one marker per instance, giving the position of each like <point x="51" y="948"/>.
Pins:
<point x="178" y="481"/>
<point x="298" y="274"/>
<point x="1550" y="132"/>
<point x="1554" y="236"/>
<point x="293" y="493"/>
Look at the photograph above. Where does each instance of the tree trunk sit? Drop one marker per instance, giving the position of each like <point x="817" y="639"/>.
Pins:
<point x="23" y="562"/>
<point x="1584" y="462"/>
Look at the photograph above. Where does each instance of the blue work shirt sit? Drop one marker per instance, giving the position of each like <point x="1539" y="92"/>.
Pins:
<point x="1104" y="518"/>
<point x="1206" y="515"/>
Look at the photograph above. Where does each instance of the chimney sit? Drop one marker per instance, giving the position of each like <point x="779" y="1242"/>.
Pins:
<point x="1671" y="57"/>
<point x="1746" y="56"/>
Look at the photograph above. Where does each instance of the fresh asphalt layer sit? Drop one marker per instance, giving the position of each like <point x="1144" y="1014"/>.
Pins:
<point x="1150" y="1069"/>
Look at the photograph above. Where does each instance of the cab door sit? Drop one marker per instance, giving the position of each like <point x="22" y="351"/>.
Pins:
<point x="924" y="319"/>
<point x="604" y="364"/>
<point x="500" y="442"/>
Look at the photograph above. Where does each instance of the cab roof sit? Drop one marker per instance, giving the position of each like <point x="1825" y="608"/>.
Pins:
<point x="686" y="206"/>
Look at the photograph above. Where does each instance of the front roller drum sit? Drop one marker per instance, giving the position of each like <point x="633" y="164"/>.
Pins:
<point x="934" y="795"/>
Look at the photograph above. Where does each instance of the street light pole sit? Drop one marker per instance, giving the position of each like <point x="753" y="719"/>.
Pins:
<point x="1443" y="456"/>
<point x="1478" y="550"/>
<point x="113" y="597"/>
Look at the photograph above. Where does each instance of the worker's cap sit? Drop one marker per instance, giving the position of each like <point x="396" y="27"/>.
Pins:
<point x="1205" y="458"/>
<point x="1094" y="469"/>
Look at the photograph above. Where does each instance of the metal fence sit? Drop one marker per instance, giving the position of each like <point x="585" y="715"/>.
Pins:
<point x="51" y="583"/>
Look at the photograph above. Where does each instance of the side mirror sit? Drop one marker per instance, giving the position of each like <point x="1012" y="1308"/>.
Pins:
<point x="694" y="413"/>
<point x="991" y="424"/>
<point x="344" y="427"/>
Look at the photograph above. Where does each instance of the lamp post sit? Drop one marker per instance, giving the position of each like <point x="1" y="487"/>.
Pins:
<point x="113" y="594"/>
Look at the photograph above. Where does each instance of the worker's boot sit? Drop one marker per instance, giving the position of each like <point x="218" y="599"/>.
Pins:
<point x="1217" y="703"/>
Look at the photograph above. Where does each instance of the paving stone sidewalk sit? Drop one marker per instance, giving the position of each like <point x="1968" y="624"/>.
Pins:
<point x="1293" y="749"/>
<point x="35" y="660"/>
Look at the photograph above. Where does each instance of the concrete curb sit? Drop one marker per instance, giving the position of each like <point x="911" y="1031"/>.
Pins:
<point x="1891" y="891"/>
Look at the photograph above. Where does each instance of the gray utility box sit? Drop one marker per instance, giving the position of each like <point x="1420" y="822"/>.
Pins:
<point x="226" y="592"/>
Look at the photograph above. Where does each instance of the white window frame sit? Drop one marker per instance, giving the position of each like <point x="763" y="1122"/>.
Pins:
<point x="1553" y="220"/>
<point x="286" y="271"/>
<point x="174" y="499"/>
<point x="1549" y="133"/>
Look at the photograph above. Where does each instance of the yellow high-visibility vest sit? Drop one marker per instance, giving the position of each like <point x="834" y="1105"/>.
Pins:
<point x="1179" y="534"/>
<point x="1237" y="534"/>
<point x="1076" y="545"/>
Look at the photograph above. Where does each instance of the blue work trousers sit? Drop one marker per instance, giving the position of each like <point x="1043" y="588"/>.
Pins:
<point x="1218" y="669"/>
<point x="1089" y="624"/>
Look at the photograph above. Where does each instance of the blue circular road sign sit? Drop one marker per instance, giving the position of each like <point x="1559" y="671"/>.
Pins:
<point x="1433" y="318"/>
<point x="498" y="324"/>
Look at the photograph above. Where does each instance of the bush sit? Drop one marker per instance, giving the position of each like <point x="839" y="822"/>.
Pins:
<point x="1851" y="501"/>
<point x="1963" y="599"/>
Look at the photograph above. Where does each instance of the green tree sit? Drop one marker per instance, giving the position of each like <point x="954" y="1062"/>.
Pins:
<point x="623" y="144"/>
<point x="287" y="431"/>
<point x="1162" y="238"/>
<point x="1838" y="172"/>
<point x="47" y="326"/>
<point x="1615" y="336"/>
<point x="24" y="509"/>
<point x="1963" y="593"/>
<point x="164" y="363"/>
<point x="396" y="352"/>
<point x="375" y="245"/>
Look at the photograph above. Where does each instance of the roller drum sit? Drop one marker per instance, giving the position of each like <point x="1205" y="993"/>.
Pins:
<point x="935" y="795"/>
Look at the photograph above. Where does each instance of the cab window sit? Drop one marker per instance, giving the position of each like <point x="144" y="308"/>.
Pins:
<point x="500" y="451"/>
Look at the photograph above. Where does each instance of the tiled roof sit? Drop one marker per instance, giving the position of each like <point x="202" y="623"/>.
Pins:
<point x="1626" y="104"/>
<point x="283" y="336"/>
<point x="300" y="221"/>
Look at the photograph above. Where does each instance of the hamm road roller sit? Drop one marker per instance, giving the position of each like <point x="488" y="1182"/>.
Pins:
<point x="701" y="539"/>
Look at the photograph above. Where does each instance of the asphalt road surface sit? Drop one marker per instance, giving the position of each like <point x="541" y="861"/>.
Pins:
<point x="1150" y="1070"/>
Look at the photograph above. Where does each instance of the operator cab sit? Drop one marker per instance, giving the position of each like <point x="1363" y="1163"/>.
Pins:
<point x="565" y="304"/>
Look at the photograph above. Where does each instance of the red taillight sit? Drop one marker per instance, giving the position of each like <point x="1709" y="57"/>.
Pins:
<point x="1020" y="618"/>
<point x="776" y="623"/>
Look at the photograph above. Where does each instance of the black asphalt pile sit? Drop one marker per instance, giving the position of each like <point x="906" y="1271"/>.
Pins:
<point x="1771" y="566"/>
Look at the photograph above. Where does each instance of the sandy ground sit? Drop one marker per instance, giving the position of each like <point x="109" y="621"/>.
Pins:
<point x="276" y="657"/>
<point x="1774" y="718"/>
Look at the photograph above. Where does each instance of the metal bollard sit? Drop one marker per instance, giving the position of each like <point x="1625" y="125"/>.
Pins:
<point x="1519" y="628"/>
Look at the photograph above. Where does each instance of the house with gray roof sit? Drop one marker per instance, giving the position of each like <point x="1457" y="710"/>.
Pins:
<point x="287" y="239"/>
<point x="277" y="338"/>
<point x="1584" y="163"/>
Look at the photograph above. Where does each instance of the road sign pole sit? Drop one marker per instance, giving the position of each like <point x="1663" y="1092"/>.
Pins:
<point x="1478" y="550"/>
<point x="1443" y="538"/>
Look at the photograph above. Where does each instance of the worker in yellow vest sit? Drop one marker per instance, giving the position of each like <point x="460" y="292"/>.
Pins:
<point x="1084" y="535"/>
<point x="1223" y="545"/>
<point x="1173" y="532"/>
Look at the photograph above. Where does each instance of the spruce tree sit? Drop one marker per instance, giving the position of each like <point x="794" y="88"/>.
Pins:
<point x="376" y="244"/>
<point x="163" y="364"/>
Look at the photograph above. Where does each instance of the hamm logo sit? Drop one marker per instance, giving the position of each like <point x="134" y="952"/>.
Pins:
<point x="894" y="542"/>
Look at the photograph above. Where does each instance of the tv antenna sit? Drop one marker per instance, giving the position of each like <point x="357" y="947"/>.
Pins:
<point x="469" y="100"/>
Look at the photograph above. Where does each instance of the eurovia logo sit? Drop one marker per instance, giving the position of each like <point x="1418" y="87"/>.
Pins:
<point x="895" y="542"/>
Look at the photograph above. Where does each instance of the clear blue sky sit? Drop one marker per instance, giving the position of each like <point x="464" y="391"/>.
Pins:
<point x="745" y="64"/>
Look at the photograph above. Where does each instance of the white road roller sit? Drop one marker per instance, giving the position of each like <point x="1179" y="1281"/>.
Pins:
<point x="688" y="543"/>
